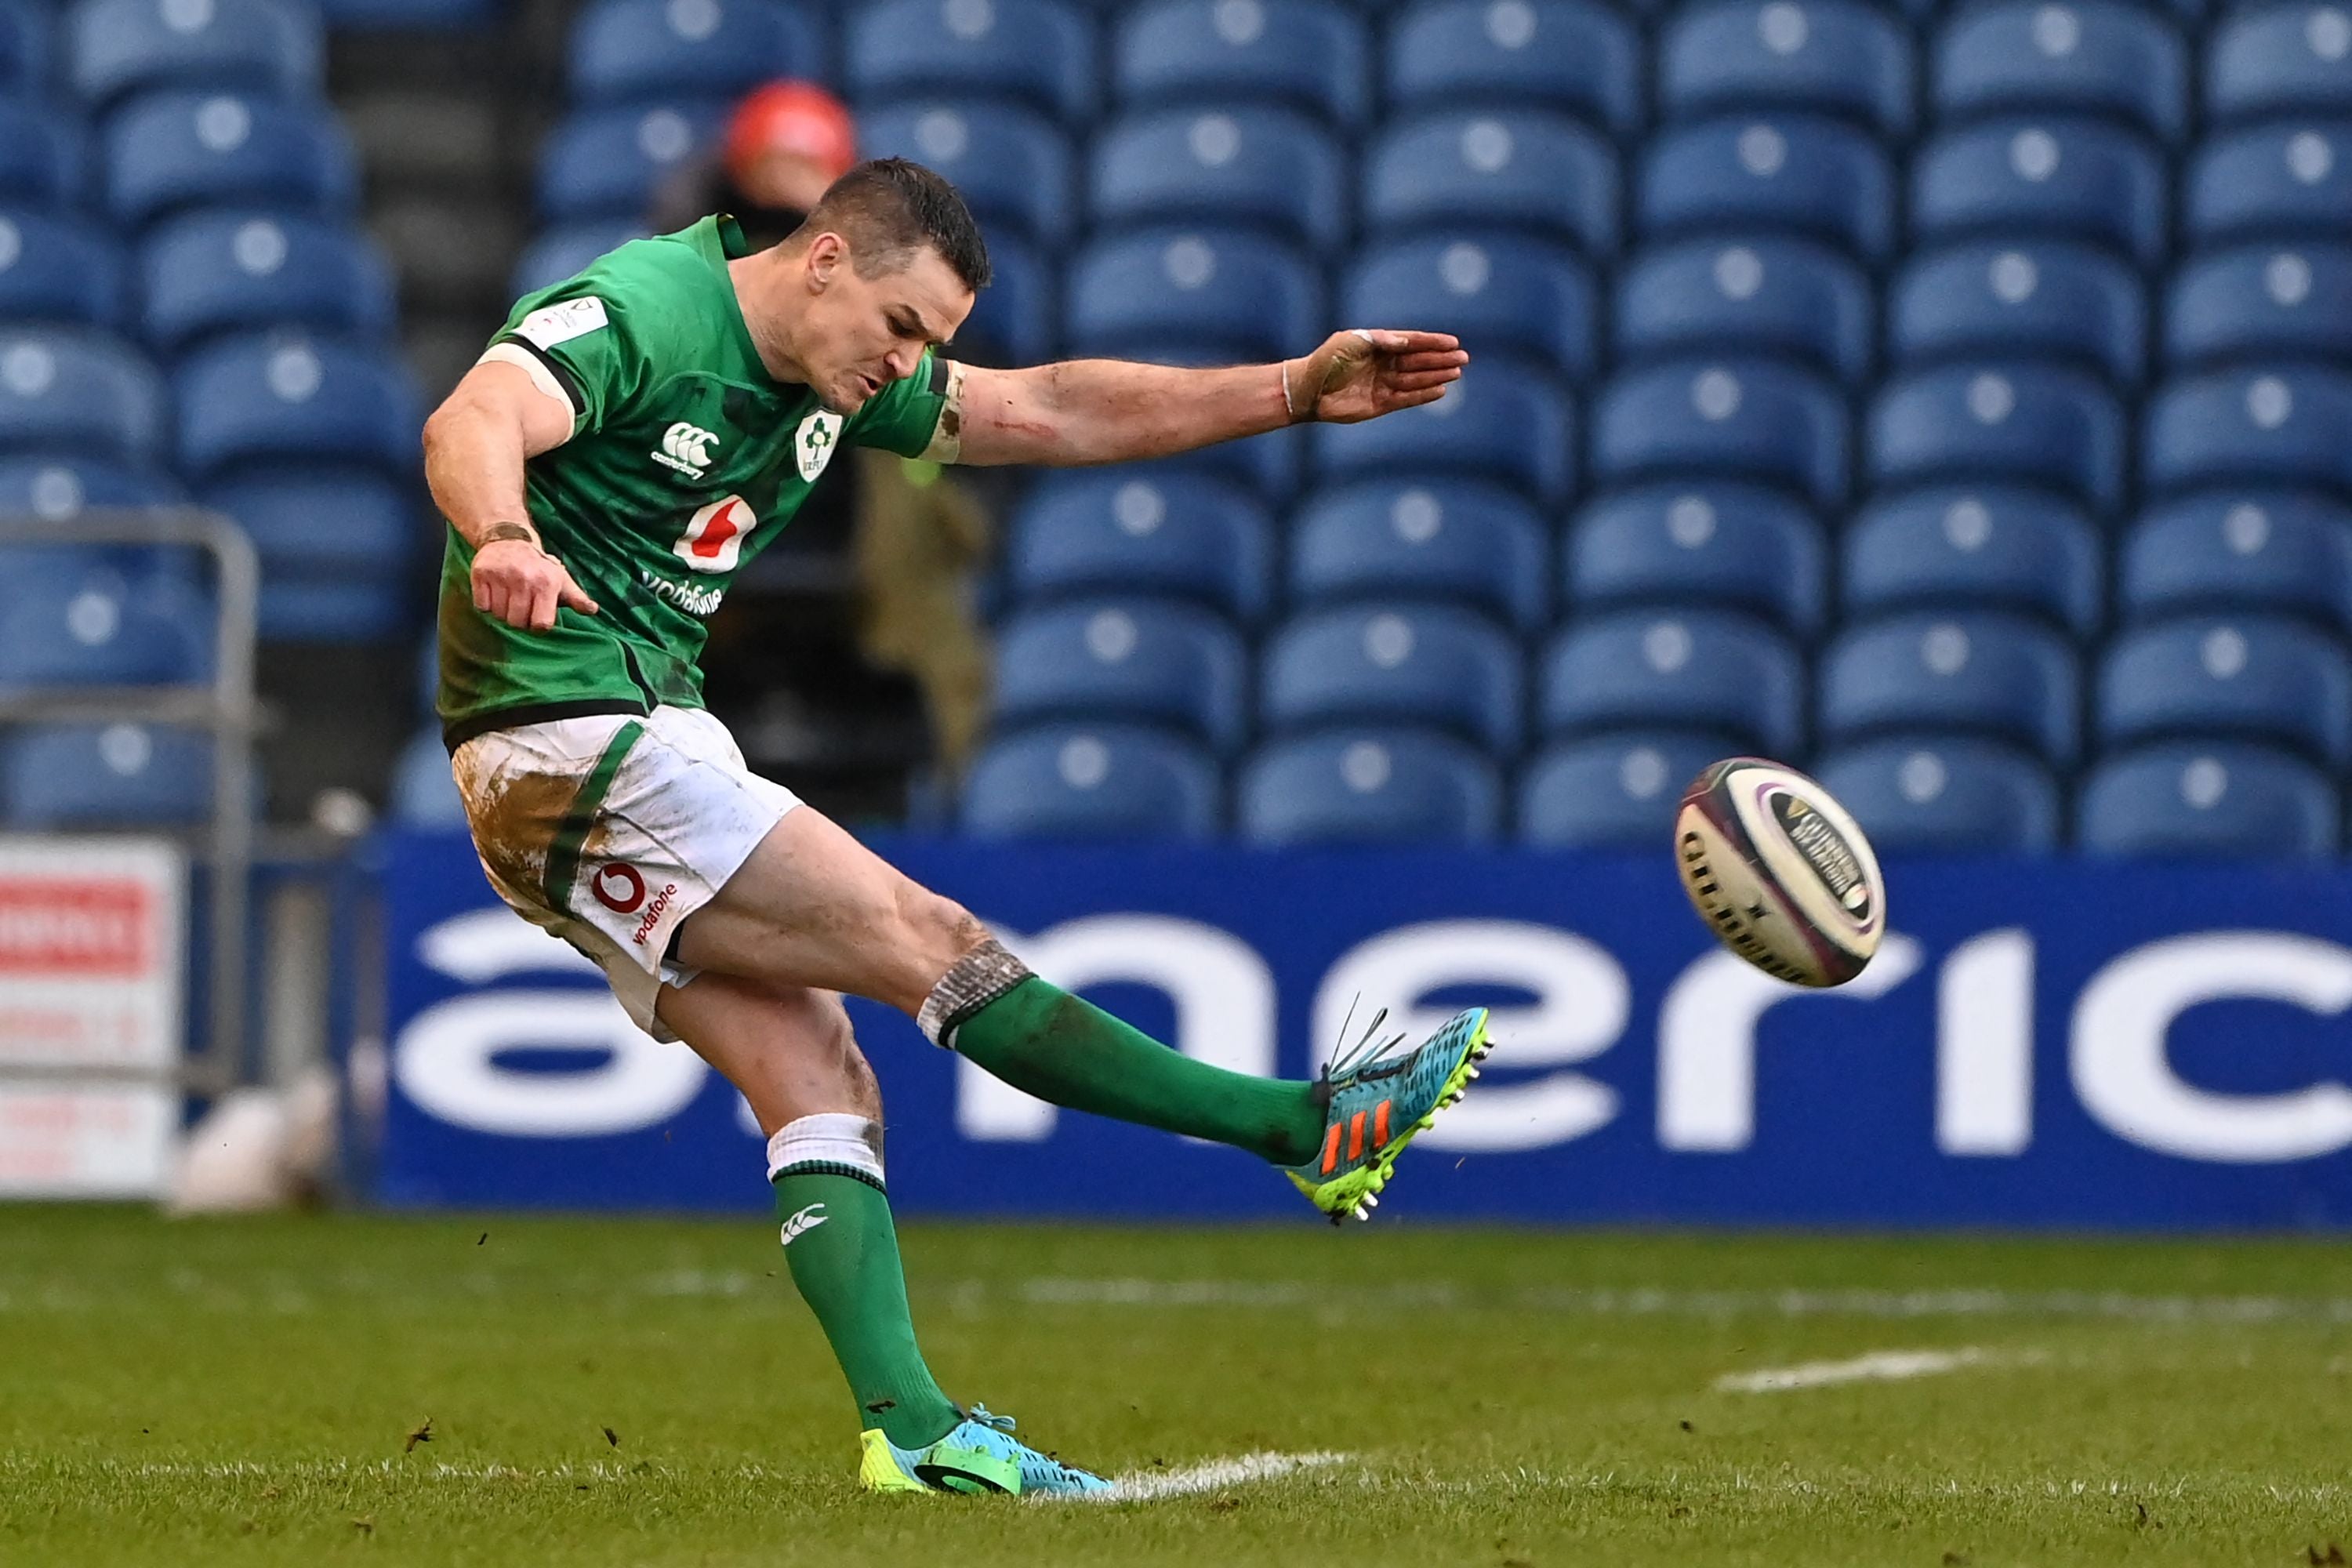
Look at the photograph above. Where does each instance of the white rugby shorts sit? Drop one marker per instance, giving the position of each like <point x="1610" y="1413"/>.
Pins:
<point x="610" y="830"/>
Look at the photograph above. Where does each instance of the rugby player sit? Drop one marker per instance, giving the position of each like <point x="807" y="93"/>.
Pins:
<point x="630" y="438"/>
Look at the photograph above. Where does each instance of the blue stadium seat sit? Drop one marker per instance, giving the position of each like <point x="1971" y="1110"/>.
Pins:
<point x="1507" y="425"/>
<point x="2251" y="678"/>
<point x="1731" y="545"/>
<point x="1764" y="296"/>
<point x="2033" y="299"/>
<point x="1791" y="173"/>
<point x="51" y="487"/>
<point x="106" y="632"/>
<point x="1142" y="661"/>
<point x="2260" y="302"/>
<point x="2279" y="60"/>
<point x="82" y="392"/>
<point x="1576" y="56"/>
<point x="1976" y="547"/>
<point x="1273" y="167"/>
<point x="424" y="791"/>
<point x="220" y="271"/>
<point x="336" y="547"/>
<point x="1035" y="51"/>
<point x="2203" y="800"/>
<point x="24" y="48"/>
<point x="77" y="775"/>
<point x="1370" y="787"/>
<point x="1137" y="530"/>
<point x="1528" y="169"/>
<point x="1940" y="796"/>
<point x="2285" y="181"/>
<point x="627" y="51"/>
<point x="40" y="155"/>
<point x="2093" y="57"/>
<point x="1402" y="662"/>
<point x="1100" y="782"/>
<point x="1835" y="57"/>
<point x="55" y="267"/>
<point x="1314" y="55"/>
<point x="59" y="487"/>
<point x="2260" y="552"/>
<point x="1232" y="292"/>
<point x="1710" y="670"/>
<point x="1014" y="322"/>
<point x="1736" y="418"/>
<point x="1615" y="791"/>
<point x="1985" y="672"/>
<point x="272" y="48"/>
<point x="412" y="15"/>
<point x="269" y="398"/>
<point x="2292" y="425"/>
<point x="567" y="249"/>
<point x="171" y="149"/>
<point x="1013" y="166"/>
<point x="1494" y="291"/>
<point x="2001" y="420"/>
<point x="2053" y="178"/>
<point x="605" y="162"/>
<point x="1457" y="539"/>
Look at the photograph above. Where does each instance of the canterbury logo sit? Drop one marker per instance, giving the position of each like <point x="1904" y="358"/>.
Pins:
<point x="686" y="449"/>
<point x="807" y="1220"/>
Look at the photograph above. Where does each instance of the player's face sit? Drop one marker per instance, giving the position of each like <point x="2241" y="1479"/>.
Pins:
<point x="862" y="333"/>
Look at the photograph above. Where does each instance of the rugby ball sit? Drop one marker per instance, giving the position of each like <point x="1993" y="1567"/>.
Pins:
<point x="1779" y="871"/>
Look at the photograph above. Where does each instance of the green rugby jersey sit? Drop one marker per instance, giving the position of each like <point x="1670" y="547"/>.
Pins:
<point x="686" y="458"/>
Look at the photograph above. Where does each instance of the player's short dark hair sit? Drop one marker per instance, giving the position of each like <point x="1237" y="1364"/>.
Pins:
<point x="889" y="209"/>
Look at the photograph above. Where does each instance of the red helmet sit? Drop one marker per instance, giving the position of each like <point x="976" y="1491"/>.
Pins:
<point x="793" y="117"/>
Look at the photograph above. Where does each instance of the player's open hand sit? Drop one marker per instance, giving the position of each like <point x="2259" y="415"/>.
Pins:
<point x="521" y="585"/>
<point x="1358" y="374"/>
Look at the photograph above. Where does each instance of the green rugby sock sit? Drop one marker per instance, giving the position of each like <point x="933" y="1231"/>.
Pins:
<point x="843" y="1254"/>
<point x="1063" y="1048"/>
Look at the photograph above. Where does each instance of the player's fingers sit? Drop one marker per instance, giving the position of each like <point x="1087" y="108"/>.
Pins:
<point x="542" y="606"/>
<point x="1415" y="399"/>
<point x="1415" y="343"/>
<point x="1454" y="359"/>
<point x="1415" y="382"/>
<point x="568" y="592"/>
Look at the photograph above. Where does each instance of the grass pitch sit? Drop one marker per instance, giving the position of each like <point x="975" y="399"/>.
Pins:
<point x="511" y="1392"/>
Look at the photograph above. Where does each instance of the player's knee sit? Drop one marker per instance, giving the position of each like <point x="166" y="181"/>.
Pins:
<point x="939" y="928"/>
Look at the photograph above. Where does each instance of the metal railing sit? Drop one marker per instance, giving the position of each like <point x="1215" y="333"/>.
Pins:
<point x="225" y="707"/>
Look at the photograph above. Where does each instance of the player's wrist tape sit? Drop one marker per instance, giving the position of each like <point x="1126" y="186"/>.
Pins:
<point x="499" y="532"/>
<point x="971" y="983"/>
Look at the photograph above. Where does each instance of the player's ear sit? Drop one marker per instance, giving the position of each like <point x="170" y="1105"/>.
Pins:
<point x="827" y="253"/>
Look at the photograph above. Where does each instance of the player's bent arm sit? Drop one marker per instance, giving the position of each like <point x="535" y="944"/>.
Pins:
<point x="1113" y="411"/>
<point x="476" y="445"/>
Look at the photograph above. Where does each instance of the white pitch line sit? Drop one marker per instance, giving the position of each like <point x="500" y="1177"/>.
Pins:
<point x="1213" y="1475"/>
<point x="1878" y="1366"/>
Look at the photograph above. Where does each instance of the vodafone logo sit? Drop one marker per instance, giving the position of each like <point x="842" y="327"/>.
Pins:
<point x="713" y="540"/>
<point x="618" y="887"/>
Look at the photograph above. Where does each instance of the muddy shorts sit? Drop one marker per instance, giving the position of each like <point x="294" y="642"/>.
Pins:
<point x="611" y="830"/>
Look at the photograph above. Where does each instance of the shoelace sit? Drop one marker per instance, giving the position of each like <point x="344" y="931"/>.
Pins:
<point x="1344" y="1060"/>
<point x="980" y="1412"/>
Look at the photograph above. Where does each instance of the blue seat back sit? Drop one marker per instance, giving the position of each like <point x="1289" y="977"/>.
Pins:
<point x="1759" y="296"/>
<point x="1013" y="166"/>
<point x="604" y="164"/>
<point x="2099" y="57"/>
<point x="1272" y="167"/>
<point x="2039" y="298"/>
<point x="1015" y="320"/>
<point x="1508" y="423"/>
<point x="2278" y="61"/>
<point x="272" y="47"/>
<point x="57" y="487"/>
<point x="1162" y="663"/>
<point x="1616" y="791"/>
<point x="628" y="51"/>
<point x="1492" y="289"/>
<point x="1315" y="54"/>
<point x="165" y="150"/>
<point x="41" y="153"/>
<point x="2207" y="800"/>
<point x="1945" y="795"/>
<point x="2055" y="177"/>
<point x="1077" y="782"/>
<point x="568" y="250"/>
<point x="1144" y="531"/>
<point x="1370" y="787"/>
<point x="1732" y="545"/>
<point x="2290" y="424"/>
<point x="1837" y="56"/>
<point x="24" y="48"/>
<point x="2001" y="420"/>
<point x="1715" y="671"/>
<point x="1734" y="419"/>
<point x="275" y="398"/>
<point x="1795" y="173"/>
<point x="1233" y="291"/>
<point x="1530" y="169"/>
<point x="80" y="391"/>
<point x="1977" y="546"/>
<point x="2245" y="551"/>
<point x="2286" y="180"/>
<point x="1463" y="540"/>
<point x="224" y="272"/>
<point x="1982" y="671"/>
<point x="1401" y="662"/>
<point x="1034" y="51"/>
<point x="2260" y="302"/>
<point x="74" y="775"/>
<point x="424" y="791"/>
<point x="2249" y="676"/>
<point x="55" y="267"/>
<point x="106" y="631"/>
<point x="1575" y="56"/>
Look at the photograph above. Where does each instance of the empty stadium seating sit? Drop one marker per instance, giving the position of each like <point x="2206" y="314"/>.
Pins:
<point x="1370" y="787"/>
<point x="2193" y="801"/>
<point x="1073" y="782"/>
<point x="1949" y="795"/>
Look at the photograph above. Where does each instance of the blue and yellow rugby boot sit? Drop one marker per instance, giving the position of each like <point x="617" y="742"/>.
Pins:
<point x="1377" y="1100"/>
<point x="979" y="1456"/>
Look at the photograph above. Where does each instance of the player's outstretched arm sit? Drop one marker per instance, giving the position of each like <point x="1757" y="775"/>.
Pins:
<point x="474" y="447"/>
<point x="1112" y="411"/>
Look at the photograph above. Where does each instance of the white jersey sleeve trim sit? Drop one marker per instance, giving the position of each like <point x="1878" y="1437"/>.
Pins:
<point x="541" y="376"/>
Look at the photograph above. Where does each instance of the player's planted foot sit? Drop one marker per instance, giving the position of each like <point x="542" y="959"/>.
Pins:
<point x="979" y="1456"/>
<point x="1378" y="1100"/>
